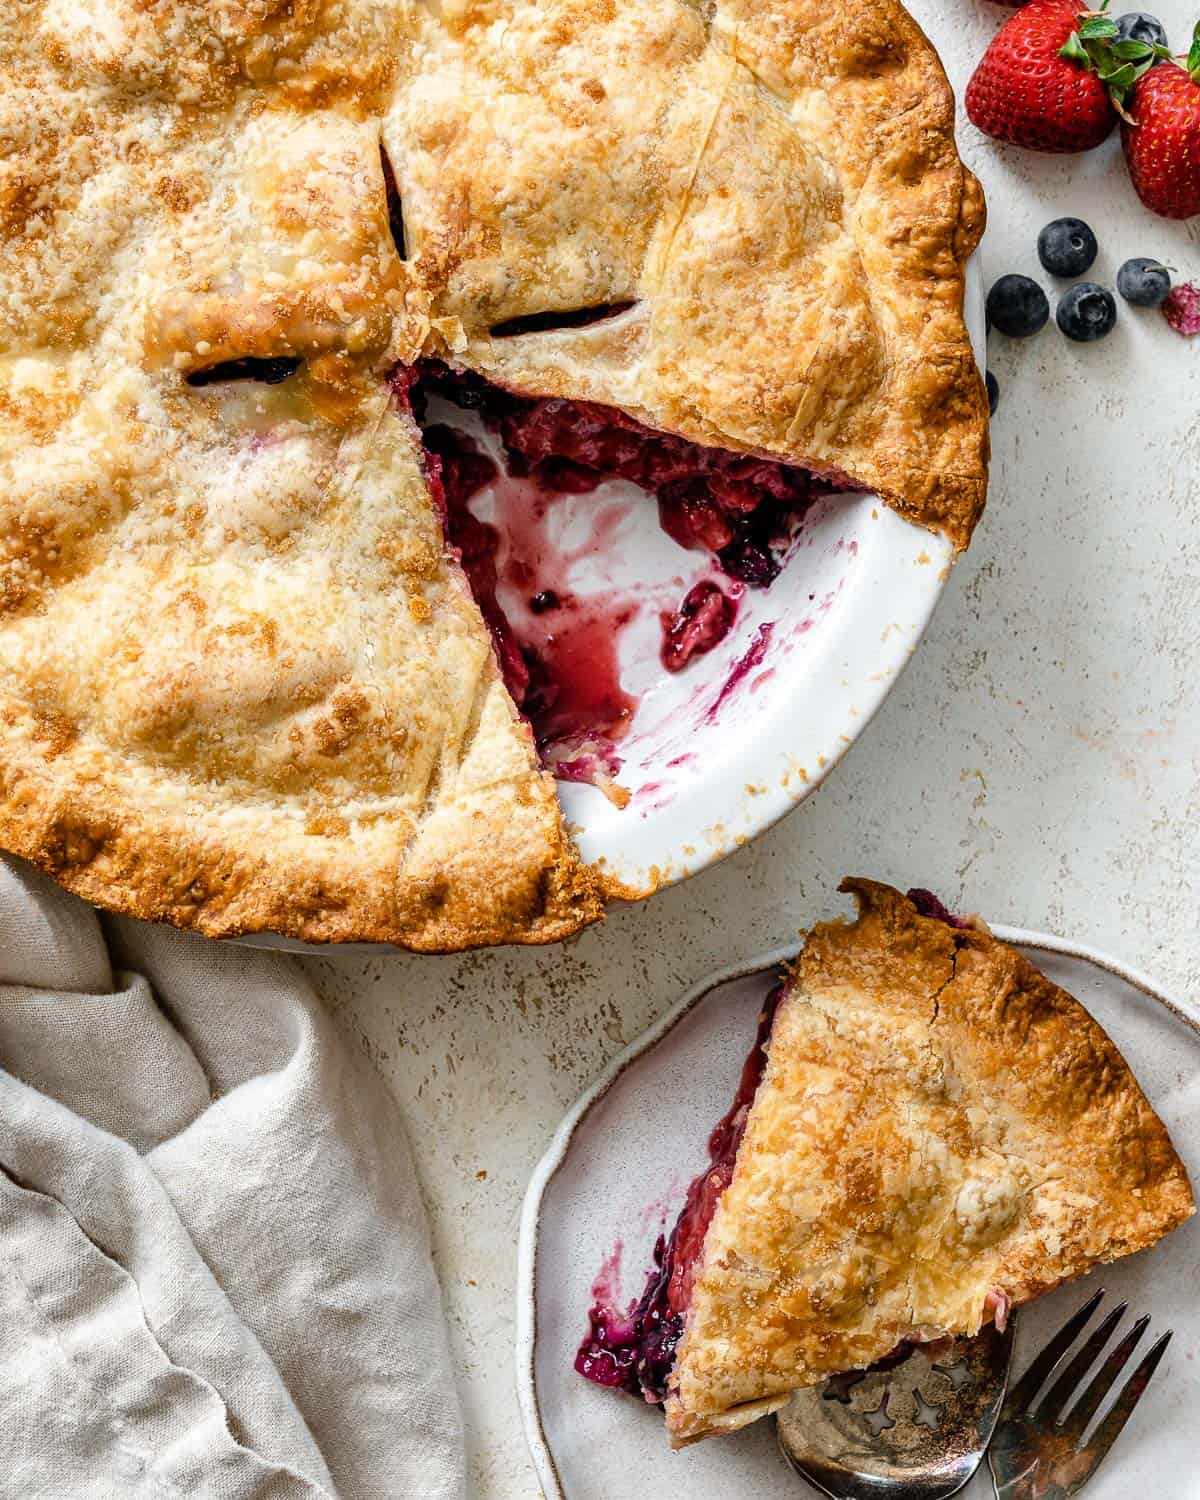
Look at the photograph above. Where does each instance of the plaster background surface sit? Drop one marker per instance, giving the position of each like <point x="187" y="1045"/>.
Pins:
<point x="1038" y="762"/>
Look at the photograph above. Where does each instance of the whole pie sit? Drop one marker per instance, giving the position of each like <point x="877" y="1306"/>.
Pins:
<point x="928" y="1131"/>
<point x="249" y="245"/>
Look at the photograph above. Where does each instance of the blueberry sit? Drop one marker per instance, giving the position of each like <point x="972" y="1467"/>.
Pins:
<point x="1086" y="312"/>
<point x="1067" y="247"/>
<point x="993" y="390"/>
<point x="1139" y="26"/>
<point x="1143" y="281"/>
<point x="1017" y="306"/>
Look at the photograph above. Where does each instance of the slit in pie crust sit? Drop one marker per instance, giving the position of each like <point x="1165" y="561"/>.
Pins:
<point x="244" y="685"/>
<point x="927" y="1132"/>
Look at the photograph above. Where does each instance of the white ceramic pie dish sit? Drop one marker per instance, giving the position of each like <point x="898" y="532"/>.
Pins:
<point x="617" y="1169"/>
<point x="717" y="754"/>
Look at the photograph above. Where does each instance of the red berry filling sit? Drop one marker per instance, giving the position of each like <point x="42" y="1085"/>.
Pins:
<point x="635" y="1351"/>
<point x="456" y="469"/>
<point x="930" y="905"/>
<point x="697" y="625"/>
<point x="740" y="509"/>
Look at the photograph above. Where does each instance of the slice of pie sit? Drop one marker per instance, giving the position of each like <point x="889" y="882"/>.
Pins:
<point x="244" y="684"/>
<point x="928" y="1132"/>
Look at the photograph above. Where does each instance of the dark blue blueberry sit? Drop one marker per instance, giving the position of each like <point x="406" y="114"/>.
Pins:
<point x="1140" y="26"/>
<point x="1144" y="281"/>
<point x="1087" y="312"/>
<point x="749" y="560"/>
<point x="1017" y="306"/>
<point x="544" y="601"/>
<point x="993" y="390"/>
<point x="1066" y="247"/>
<point x="635" y="1351"/>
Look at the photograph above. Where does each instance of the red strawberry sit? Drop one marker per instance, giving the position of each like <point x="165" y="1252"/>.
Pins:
<point x="1162" y="137"/>
<point x="1027" y="92"/>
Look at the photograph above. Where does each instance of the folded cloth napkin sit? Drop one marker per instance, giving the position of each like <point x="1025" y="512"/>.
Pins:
<point x="215" y="1276"/>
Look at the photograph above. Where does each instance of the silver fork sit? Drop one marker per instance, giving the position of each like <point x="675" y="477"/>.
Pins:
<point x="1040" y="1453"/>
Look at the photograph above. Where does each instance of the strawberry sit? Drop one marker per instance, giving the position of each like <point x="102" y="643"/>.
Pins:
<point x="1161" y="137"/>
<point x="1038" y="84"/>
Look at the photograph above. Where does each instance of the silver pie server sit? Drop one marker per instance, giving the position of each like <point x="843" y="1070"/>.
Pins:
<point x="914" y="1427"/>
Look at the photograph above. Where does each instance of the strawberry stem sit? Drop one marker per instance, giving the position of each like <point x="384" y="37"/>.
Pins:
<point x="1096" y="46"/>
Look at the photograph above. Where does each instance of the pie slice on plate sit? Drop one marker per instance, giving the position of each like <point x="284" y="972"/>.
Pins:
<point x="244" y="684"/>
<point x="927" y="1132"/>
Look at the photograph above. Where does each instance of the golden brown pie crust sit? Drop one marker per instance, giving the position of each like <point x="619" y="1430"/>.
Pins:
<point x="242" y="684"/>
<point x="937" y="1122"/>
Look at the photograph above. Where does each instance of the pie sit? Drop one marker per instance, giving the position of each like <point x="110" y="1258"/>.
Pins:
<point x="244" y="683"/>
<point x="928" y="1131"/>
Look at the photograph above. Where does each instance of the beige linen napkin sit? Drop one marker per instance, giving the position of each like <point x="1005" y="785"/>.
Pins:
<point x="215" y="1279"/>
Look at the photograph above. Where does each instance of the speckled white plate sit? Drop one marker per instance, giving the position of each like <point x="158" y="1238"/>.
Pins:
<point x="718" y="753"/>
<point x="617" y="1169"/>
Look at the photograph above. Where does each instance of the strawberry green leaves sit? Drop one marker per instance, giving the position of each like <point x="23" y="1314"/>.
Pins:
<point x="1074" y="51"/>
<point x="1097" y="45"/>
<point x="1193" y="57"/>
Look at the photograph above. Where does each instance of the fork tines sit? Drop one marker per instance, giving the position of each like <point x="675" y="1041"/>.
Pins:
<point x="1049" y="1433"/>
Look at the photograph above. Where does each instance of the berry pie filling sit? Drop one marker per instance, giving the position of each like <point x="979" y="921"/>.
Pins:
<point x="634" y="1351"/>
<point x="742" y="510"/>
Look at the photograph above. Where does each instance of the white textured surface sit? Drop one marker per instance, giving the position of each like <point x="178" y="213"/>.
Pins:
<point x="1039" y="762"/>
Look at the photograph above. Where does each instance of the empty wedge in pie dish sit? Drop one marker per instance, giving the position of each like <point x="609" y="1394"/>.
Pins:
<point x="927" y="1133"/>
<point x="244" y="684"/>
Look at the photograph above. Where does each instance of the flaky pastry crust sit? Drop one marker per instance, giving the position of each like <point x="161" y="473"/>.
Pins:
<point x="937" y="1123"/>
<point x="243" y="686"/>
<point x="776" y="189"/>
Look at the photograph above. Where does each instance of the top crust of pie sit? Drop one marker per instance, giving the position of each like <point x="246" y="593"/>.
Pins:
<point x="937" y="1121"/>
<point x="775" y="186"/>
<point x="242" y="684"/>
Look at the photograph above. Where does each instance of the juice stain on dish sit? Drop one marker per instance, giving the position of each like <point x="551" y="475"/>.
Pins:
<point x="751" y="658"/>
<point x="558" y="649"/>
<point x="569" y="641"/>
